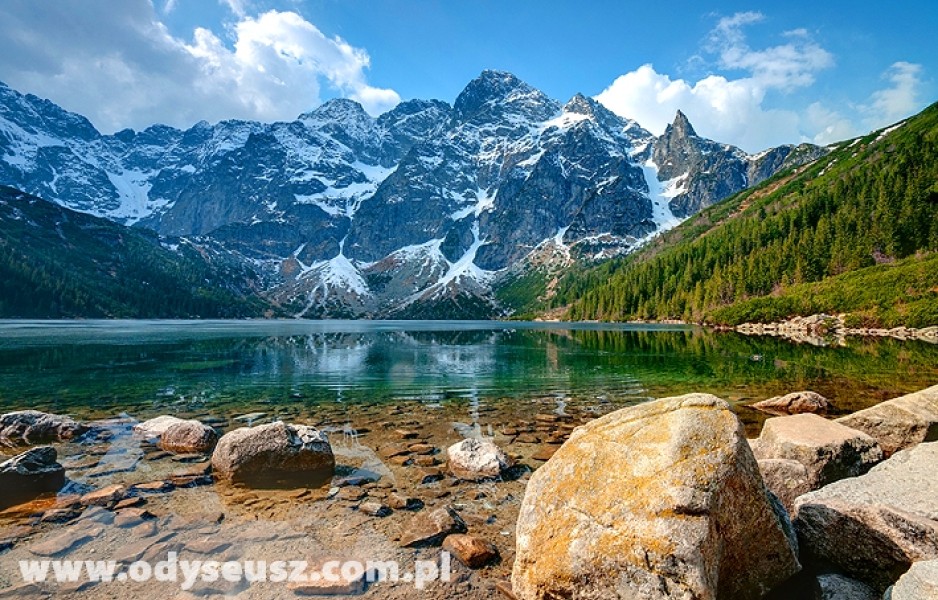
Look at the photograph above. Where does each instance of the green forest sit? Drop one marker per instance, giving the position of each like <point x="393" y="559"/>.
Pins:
<point x="854" y="232"/>
<point x="57" y="263"/>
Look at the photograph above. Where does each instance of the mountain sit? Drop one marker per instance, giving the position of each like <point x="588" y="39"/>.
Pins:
<point x="426" y="211"/>
<point x="55" y="263"/>
<point x="855" y="232"/>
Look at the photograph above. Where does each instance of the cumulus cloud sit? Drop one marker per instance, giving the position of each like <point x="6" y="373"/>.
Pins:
<point x="900" y="99"/>
<point x="735" y="110"/>
<point x="730" y="110"/>
<point x="722" y="109"/>
<point x="119" y="65"/>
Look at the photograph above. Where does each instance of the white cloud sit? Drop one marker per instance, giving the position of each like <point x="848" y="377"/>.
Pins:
<point x="139" y="73"/>
<point x="900" y="99"/>
<point x="734" y="110"/>
<point x="726" y="110"/>
<point x="783" y="67"/>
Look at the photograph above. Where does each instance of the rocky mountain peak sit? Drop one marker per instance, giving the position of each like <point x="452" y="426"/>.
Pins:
<point x="498" y="92"/>
<point x="38" y="114"/>
<point x="681" y="126"/>
<point x="340" y="110"/>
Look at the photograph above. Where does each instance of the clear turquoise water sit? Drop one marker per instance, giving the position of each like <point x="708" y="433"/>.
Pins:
<point x="101" y="368"/>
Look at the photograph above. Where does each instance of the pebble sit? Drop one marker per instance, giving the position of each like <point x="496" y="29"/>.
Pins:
<point x="374" y="509"/>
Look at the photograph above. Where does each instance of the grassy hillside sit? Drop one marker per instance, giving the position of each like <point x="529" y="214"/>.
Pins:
<point x="853" y="232"/>
<point x="57" y="263"/>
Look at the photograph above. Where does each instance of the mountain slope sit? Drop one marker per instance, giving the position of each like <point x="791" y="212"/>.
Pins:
<point x="871" y="202"/>
<point x="428" y="209"/>
<point x="55" y="262"/>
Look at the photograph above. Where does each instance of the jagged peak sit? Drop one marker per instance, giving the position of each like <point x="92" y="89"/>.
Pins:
<point x="681" y="126"/>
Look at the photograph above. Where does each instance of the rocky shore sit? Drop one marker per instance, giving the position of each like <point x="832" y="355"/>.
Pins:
<point x="665" y="499"/>
<point x="825" y="330"/>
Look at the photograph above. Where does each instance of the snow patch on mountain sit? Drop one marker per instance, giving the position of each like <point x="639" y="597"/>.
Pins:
<point x="661" y="193"/>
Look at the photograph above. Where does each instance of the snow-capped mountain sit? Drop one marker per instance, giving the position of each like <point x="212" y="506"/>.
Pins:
<point x="419" y="212"/>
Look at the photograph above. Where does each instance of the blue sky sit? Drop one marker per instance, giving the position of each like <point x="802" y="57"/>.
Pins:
<point x="750" y="74"/>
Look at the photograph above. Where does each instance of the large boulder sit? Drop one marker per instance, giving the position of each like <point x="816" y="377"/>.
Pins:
<point x="29" y="475"/>
<point x="154" y="428"/>
<point x="274" y="454"/>
<point x="901" y="422"/>
<point x="33" y="427"/>
<point x="918" y="583"/>
<point x="660" y="500"/>
<point x="188" y="437"/>
<point x="829" y="451"/>
<point x="475" y="460"/>
<point x="787" y="479"/>
<point x="874" y="527"/>
<point x="794" y="404"/>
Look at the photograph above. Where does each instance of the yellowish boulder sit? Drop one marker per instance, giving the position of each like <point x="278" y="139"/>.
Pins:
<point x="660" y="500"/>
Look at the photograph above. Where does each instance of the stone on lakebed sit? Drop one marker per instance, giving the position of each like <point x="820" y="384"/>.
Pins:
<point x="475" y="460"/>
<point x="188" y="437"/>
<point x="29" y="475"/>
<point x="274" y="455"/>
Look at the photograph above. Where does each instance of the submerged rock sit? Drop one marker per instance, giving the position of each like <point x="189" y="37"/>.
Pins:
<point x="29" y="475"/>
<point x="33" y="426"/>
<point x="660" y="500"/>
<point x="472" y="551"/>
<point x="794" y="404"/>
<point x="828" y="450"/>
<point x="431" y="528"/>
<point x="474" y="460"/>
<point x="901" y="422"/>
<point x="874" y="527"/>
<point x="188" y="437"/>
<point x="274" y="454"/>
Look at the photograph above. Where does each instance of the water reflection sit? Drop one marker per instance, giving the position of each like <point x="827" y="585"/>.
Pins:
<point x="107" y="367"/>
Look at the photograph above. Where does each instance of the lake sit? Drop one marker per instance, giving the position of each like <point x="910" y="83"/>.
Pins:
<point x="392" y="397"/>
<point x="95" y="369"/>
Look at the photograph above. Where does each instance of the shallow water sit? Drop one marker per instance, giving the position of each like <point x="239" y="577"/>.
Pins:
<point x="370" y="385"/>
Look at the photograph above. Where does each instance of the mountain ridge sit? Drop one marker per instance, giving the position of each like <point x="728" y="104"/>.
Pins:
<point x="855" y="232"/>
<point x="344" y="214"/>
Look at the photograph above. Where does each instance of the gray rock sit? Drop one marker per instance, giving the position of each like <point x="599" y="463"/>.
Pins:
<point x="661" y="500"/>
<point x="475" y="460"/>
<point x="33" y="426"/>
<point x="828" y="450"/>
<point x="901" y="422"/>
<point x="188" y="437"/>
<point x="838" y="587"/>
<point x="274" y="454"/>
<point x="920" y="582"/>
<point x="29" y="475"/>
<point x="873" y="527"/>
<point x="154" y="428"/>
